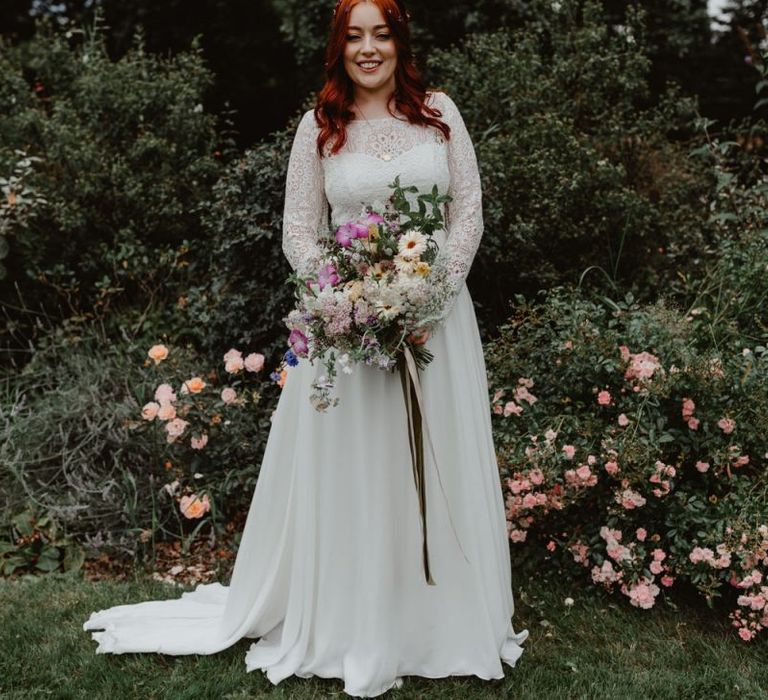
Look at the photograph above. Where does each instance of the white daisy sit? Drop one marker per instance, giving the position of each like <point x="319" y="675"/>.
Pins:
<point x="412" y="244"/>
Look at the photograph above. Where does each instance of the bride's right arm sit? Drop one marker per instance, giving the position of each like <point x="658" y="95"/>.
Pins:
<point x="306" y="207"/>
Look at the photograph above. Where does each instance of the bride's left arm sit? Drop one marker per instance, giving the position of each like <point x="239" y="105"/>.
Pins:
<point x="464" y="217"/>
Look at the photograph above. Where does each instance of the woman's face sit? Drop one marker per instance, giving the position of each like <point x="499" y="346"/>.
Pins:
<point x="369" y="41"/>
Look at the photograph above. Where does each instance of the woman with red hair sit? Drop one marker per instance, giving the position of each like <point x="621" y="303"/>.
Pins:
<point x="328" y="575"/>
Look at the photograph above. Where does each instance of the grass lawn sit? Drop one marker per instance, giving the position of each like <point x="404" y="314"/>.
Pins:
<point x="593" y="649"/>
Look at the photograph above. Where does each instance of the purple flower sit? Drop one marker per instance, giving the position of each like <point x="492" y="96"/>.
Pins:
<point x="346" y="233"/>
<point x="290" y="358"/>
<point x="373" y="218"/>
<point x="298" y="342"/>
<point x="327" y="276"/>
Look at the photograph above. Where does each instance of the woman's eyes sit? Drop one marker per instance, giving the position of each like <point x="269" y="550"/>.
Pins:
<point x="383" y="37"/>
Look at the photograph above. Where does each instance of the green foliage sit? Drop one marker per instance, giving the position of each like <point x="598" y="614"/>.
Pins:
<point x="241" y="295"/>
<point x="727" y="298"/>
<point x="124" y="153"/>
<point x="36" y="547"/>
<point x="577" y="175"/>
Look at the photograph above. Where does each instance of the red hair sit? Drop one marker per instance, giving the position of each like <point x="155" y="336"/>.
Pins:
<point x="332" y="110"/>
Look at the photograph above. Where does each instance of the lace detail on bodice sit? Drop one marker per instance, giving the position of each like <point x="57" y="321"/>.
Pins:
<point x="376" y="152"/>
<point x="387" y="138"/>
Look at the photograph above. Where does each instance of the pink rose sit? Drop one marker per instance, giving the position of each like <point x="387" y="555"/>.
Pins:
<point x="693" y="423"/>
<point x="583" y="472"/>
<point x="228" y="395"/>
<point x="254" y="362"/>
<point x="726" y="425"/>
<point x="702" y="466"/>
<point x="612" y="467"/>
<point x="641" y="533"/>
<point x="623" y="420"/>
<point x="233" y="361"/>
<point x="165" y="393"/>
<point x="518" y="535"/>
<point x="199" y="443"/>
<point x="604" y="398"/>
<point x="569" y="450"/>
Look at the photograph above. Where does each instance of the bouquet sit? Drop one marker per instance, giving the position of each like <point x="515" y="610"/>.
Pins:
<point x="371" y="292"/>
<point x="369" y="302"/>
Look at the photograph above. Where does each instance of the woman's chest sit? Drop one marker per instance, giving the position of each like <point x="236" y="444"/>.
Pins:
<point x="366" y="167"/>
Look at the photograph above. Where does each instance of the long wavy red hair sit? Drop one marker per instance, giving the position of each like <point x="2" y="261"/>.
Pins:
<point x="332" y="110"/>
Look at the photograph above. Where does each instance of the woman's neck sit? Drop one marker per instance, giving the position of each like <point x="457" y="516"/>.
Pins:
<point x="373" y="105"/>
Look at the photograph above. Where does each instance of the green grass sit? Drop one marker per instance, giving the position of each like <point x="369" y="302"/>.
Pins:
<point x="598" y="648"/>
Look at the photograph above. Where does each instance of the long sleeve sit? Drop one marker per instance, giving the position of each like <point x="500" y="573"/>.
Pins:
<point x="306" y="206"/>
<point x="464" y="218"/>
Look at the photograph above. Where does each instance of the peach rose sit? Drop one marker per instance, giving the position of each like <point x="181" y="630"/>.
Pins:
<point x="194" y="385"/>
<point x="193" y="506"/>
<point x="150" y="410"/>
<point x="158" y="353"/>
<point x="167" y="411"/>
<point x="228" y="395"/>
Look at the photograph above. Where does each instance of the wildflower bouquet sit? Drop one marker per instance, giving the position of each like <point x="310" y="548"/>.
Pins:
<point x="371" y="293"/>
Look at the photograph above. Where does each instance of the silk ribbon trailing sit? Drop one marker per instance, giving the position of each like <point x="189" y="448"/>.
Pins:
<point x="417" y="429"/>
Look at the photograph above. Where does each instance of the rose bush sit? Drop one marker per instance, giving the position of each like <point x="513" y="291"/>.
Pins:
<point x="607" y="409"/>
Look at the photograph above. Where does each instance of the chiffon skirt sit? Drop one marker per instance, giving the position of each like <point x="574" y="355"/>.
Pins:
<point x="329" y="577"/>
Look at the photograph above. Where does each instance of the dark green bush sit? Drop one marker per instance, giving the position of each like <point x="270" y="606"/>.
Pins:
<point x="242" y="294"/>
<point x="577" y="172"/>
<point x="126" y="154"/>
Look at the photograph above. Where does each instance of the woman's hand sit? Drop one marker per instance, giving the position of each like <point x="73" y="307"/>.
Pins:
<point x="419" y="337"/>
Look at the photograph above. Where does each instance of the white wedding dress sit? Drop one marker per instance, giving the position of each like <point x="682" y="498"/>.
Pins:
<point x="328" y="576"/>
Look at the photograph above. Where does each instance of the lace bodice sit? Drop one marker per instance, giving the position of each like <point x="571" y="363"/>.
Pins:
<point x="377" y="151"/>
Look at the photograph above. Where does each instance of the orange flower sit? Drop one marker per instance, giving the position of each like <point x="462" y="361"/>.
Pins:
<point x="158" y="353"/>
<point x="195" y="385"/>
<point x="283" y="376"/>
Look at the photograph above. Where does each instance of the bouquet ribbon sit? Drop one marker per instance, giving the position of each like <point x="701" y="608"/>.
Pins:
<point x="417" y="429"/>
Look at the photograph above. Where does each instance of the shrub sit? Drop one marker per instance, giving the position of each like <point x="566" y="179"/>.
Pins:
<point x="125" y="153"/>
<point x="578" y="171"/>
<point x="242" y="294"/>
<point x="73" y="441"/>
<point x="629" y="457"/>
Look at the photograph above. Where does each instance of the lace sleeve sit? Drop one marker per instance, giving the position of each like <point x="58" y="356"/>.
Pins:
<point x="306" y="207"/>
<point x="463" y="214"/>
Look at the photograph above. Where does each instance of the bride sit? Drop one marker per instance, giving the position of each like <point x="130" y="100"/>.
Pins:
<point x="328" y="577"/>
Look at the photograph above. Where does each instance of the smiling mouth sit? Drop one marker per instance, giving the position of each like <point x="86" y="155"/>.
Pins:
<point x="369" y="66"/>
